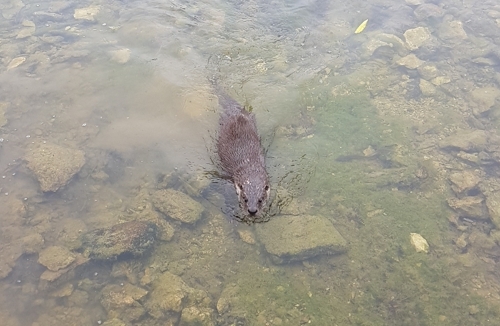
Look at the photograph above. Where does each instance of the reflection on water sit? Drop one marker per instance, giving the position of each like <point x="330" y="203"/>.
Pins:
<point x="382" y="144"/>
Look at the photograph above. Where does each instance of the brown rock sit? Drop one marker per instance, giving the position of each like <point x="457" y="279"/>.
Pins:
<point x="132" y="238"/>
<point x="470" y="206"/>
<point x="463" y="181"/>
<point x="177" y="205"/>
<point x="54" y="165"/>
<point x="56" y="258"/>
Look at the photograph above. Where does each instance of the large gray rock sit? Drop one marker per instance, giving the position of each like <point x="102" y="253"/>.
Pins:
<point x="54" y="165"/>
<point x="130" y="238"/>
<point x="177" y="205"/>
<point x="295" y="238"/>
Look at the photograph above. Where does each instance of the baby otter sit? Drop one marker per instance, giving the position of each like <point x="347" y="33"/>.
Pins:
<point x="241" y="154"/>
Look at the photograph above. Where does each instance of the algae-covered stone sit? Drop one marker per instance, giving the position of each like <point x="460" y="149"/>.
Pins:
<point x="171" y="294"/>
<point x="130" y="238"/>
<point x="32" y="243"/>
<point x="194" y="316"/>
<point x="177" y="205"/>
<point x="469" y="141"/>
<point x="56" y="258"/>
<point x="493" y="204"/>
<point x="122" y="301"/>
<point x="295" y="238"/>
<point x="54" y="165"/>
<point x="469" y="206"/>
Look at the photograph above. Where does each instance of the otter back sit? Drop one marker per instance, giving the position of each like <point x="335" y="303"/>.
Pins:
<point x="241" y="154"/>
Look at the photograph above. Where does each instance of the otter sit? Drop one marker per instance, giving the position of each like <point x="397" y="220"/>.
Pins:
<point x="241" y="154"/>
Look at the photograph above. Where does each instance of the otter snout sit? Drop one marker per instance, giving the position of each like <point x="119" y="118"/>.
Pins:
<point x="252" y="195"/>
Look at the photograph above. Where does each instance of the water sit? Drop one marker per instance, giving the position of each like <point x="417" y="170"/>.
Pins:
<point x="359" y="132"/>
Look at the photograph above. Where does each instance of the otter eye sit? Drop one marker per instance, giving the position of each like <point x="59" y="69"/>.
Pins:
<point x="266" y="188"/>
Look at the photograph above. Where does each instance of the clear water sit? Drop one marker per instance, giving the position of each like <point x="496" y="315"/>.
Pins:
<point x="126" y="82"/>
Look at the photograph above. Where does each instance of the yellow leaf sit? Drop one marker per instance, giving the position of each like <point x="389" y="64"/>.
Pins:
<point x="361" y="27"/>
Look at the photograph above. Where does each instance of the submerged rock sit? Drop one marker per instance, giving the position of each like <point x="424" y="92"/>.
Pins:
<point x="472" y="141"/>
<point x="123" y="301"/>
<point x="419" y="243"/>
<point x="464" y="181"/>
<point x="296" y="238"/>
<point x="130" y="238"/>
<point x="194" y="316"/>
<point x="54" y="165"/>
<point x="170" y="295"/>
<point x="470" y="206"/>
<point x="416" y="37"/>
<point x="56" y="258"/>
<point x="493" y="204"/>
<point x="177" y="205"/>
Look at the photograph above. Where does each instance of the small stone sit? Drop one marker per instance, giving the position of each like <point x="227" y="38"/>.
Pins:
<point x="64" y="291"/>
<point x="194" y="316"/>
<point x="410" y="61"/>
<point x="428" y="10"/>
<point x="32" y="243"/>
<point x="87" y="13"/>
<point x="419" y="243"/>
<point x="246" y="236"/>
<point x="28" y="23"/>
<point x="427" y="88"/>
<point x="473" y="310"/>
<point x="428" y="71"/>
<point x="25" y="32"/>
<point x="123" y="301"/>
<point x="121" y="56"/>
<point x="56" y="258"/>
<point x="416" y="37"/>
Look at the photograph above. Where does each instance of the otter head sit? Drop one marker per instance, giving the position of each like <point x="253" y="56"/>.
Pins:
<point x="253" y="193"/>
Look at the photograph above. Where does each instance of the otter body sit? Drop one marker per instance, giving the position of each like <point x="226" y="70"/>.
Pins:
<point x="241" y="154"/>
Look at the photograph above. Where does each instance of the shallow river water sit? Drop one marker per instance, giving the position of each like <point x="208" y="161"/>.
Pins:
<point x="380" y="123"/>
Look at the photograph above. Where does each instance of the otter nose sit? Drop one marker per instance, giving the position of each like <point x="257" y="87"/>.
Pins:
<point x="252" y="211"/>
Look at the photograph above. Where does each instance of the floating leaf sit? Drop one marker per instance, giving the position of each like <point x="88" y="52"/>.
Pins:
<point x="361" y="27"/>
